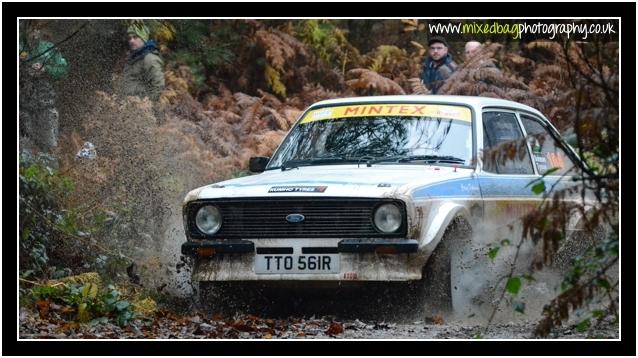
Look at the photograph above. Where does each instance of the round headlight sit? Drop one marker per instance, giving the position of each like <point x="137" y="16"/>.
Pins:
<point x="208" y="219"/>
<point x="387" y="218"/>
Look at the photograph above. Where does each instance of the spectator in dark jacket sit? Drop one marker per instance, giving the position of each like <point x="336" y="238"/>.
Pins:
<point x="438" y="65"/>
<point x="143" y="73"/>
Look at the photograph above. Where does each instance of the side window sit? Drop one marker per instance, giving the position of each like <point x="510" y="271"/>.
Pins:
<point x="504" y="149"/>
<point x="547" y="153"/>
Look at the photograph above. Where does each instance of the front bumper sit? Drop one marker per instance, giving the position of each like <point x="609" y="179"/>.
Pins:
<point x="360" y="260"/>
<point x="388" y="246"/>
<point x="210" y="248"/>
<point x="379" y="246"/>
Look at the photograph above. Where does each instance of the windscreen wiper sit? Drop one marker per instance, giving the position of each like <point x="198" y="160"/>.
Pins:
<point x="292" y="164"/>
<point x="426" y="158"/>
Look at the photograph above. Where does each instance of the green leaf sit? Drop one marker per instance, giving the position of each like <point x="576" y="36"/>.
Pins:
<point x="122" y="305"/>
<point x="93" y="291"/>
<point x="27" y="274"/>
<point x="67" y="184"/>
<point x="83" y="313"/>
<point x="519" y="306"/>
<point x="513" y="285"/>
<point x="31" y="173"/>
<point x="124" y="318"/>
<point x="85" y="290"/>
<point x="98" y="321"/>
<point x="493" y="252"/>
<point x="24" y="235"/>
<point x="539" y="187"/>
<point x="550" y="171"/>
<point x="598" y="314"/>
<point x="601" y="282"/>
<point x="505" y="242"/>
<point x="89" y="290"/>
<point x="583" y="326"/>
<point x="43" y="292"/>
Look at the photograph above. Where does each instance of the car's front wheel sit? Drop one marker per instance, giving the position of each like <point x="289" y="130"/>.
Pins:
<point x="440" y="283"/>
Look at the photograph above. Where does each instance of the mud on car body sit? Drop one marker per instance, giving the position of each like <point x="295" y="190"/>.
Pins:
<point x="375" y="189"/>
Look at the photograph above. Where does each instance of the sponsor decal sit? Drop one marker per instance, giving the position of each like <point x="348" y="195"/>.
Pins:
<point x="391" y="110"/>
<point x="555" y="160"/>
<point x="350" y="276"/>
<point x="541" y="162"/>
<point x="469" y="188"/>
<point x="322" y="113"/>
<point x="297" y="189"/>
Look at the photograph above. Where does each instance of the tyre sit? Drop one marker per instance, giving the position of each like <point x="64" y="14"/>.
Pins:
<point x="440" y="282"/>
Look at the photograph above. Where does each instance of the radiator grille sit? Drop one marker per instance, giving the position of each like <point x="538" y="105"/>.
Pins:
<point x="323" y="218"/>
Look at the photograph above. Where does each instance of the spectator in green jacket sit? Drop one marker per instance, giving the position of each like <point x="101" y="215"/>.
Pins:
<point x="41" y="63"/>
<point x="45" y="58"/>
<point x="143" y="73"/>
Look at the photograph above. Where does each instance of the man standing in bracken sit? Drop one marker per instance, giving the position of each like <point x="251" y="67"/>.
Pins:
<point x="438" y="65"/>
<point x="41" y="64"/>
<point x="143" y="73"/>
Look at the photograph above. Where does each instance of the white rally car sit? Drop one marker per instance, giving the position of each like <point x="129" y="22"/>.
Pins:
<point x="375" y="189"/>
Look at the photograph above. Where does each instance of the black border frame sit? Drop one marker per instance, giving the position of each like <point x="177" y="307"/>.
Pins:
<point x="626" y="11"/>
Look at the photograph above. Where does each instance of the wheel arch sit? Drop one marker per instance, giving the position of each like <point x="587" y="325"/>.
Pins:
<point x="447" y="215"/>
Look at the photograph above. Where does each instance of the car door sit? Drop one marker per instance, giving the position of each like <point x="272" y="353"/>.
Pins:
<point x="507" y="168"/>
<point x="553" y="161"/>
<point x="548" y="152"/>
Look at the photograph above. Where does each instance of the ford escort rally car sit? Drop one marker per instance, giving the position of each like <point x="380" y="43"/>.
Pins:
<point x="375" y="189"/>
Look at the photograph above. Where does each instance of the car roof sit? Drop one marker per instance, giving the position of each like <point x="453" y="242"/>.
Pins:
<point x="474" y="101"/>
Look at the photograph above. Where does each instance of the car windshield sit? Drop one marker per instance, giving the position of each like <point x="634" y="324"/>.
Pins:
<point x="379" y="133"/>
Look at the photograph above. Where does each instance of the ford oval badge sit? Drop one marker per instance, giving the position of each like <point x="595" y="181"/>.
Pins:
<point x="295" y="218"/>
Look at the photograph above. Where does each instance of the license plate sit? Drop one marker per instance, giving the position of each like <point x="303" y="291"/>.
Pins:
<point x="324" y="263"/>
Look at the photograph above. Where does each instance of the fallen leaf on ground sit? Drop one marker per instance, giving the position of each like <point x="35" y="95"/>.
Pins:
<point x="335" y="329"/>
<point x="43" y="308"/>
<point x="438" y="319"/>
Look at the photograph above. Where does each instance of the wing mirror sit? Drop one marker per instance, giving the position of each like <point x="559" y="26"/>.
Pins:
<point x="258" y="164"/>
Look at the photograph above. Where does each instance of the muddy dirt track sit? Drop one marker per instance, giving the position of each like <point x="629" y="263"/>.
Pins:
<point x="209" y="326"/>
<point x="290" y="314"/>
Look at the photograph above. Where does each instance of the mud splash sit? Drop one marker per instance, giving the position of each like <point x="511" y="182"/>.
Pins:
<point x="482" y="279"/>
<point x="143" y="169"/>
